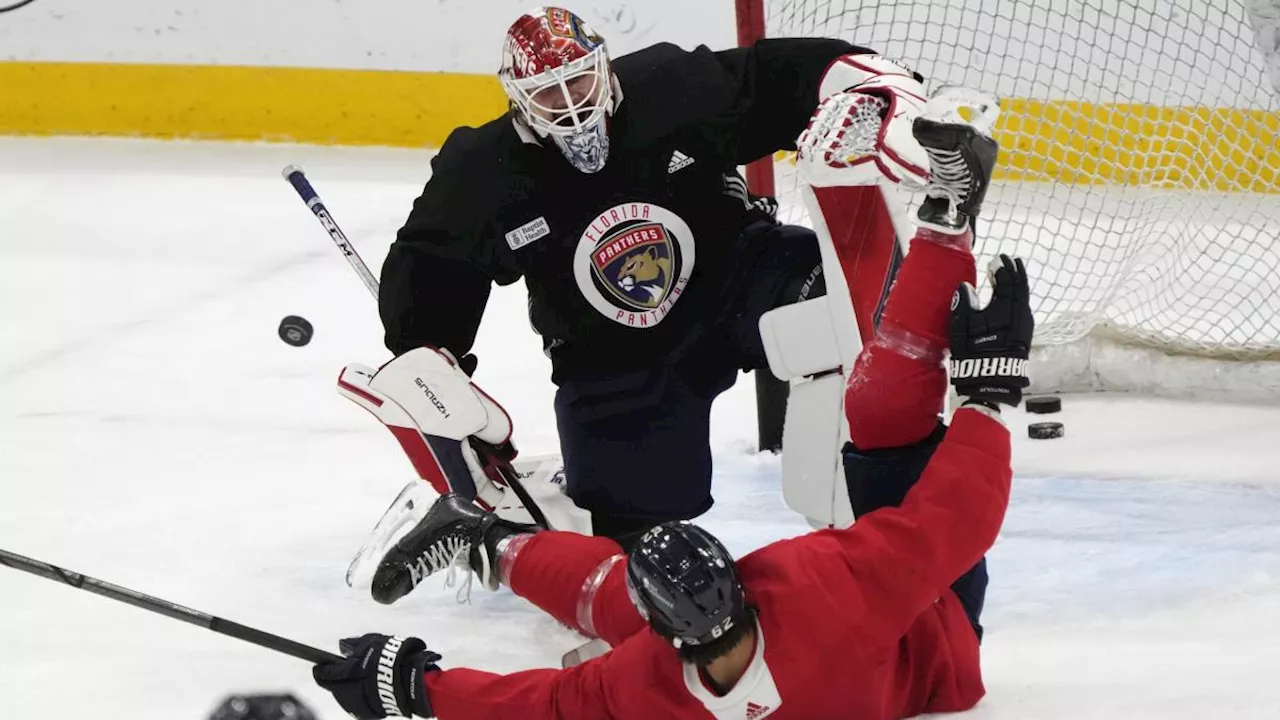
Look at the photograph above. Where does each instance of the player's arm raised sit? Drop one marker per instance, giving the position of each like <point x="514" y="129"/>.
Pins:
<point x="903" y="558"/>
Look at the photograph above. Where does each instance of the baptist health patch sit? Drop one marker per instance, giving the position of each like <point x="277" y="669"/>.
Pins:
<point x="527" y="233"/>
<point x="633" y="262"/>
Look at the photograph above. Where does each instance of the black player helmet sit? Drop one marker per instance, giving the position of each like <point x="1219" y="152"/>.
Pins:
<point x="685" y="583"/>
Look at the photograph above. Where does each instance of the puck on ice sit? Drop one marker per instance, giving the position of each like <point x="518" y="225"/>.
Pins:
<point x="1044" y="404"/>
<point x="262" y="707"/>
<point x="1044" y="430"/>
<point x="295" y="330"/>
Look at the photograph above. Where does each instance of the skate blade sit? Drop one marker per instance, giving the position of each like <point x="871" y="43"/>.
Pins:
<point x="958" y="105"/>
<point x="405" y="512"/>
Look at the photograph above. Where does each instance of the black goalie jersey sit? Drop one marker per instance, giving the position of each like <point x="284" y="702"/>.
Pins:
<point x="624" y="265"/>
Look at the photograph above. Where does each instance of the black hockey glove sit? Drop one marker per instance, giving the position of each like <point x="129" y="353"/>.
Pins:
<point x="990" y="345"/>
<point x="380" y="677"/>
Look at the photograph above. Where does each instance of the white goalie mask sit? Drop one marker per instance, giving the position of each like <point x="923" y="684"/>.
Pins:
<point x="556" y="73"/>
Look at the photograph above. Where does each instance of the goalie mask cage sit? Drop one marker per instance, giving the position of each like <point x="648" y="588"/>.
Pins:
<point x="1139" y="173"/>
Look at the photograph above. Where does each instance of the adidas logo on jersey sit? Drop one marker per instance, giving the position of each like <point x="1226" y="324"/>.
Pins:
<point x="755" y="712"/>
<point x="679" y="161"/>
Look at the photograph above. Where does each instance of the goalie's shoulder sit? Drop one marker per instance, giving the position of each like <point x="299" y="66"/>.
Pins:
<point x="477" y="168"/>
<point x="487" y="149"/>
<point x="665" y="88"/>
<point x="661" y="62"/>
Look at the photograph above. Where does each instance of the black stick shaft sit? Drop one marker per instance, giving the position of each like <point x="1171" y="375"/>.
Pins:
<point x="166" y="608"/>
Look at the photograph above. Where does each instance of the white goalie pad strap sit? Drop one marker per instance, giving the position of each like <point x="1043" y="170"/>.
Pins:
<point x="814" y="433"/>
<point x="800" y="339"/>
<point x="440" y="398"/>
<point x="489" y="493"/>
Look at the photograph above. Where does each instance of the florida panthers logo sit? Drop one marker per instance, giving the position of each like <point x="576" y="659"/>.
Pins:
<point x="641" y="267"/>
<point x="633" y="262"/>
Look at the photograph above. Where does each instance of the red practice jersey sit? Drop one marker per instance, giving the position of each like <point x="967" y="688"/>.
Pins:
<point x="856" y="623"/>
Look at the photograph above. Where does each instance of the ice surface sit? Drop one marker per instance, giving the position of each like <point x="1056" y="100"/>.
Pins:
<point x="156" y="433"/>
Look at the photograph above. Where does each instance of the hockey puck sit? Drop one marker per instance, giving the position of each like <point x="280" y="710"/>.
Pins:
<point x="262" y="707"/>
<point x="1045" y="430"/>
<point x="295" y="330"/>
<point x="1044" y="404"/>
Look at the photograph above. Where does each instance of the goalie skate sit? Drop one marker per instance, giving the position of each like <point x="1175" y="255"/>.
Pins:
<point x="453" y="534"/>
<point x="541" y="475"/>
<point x="409" y="507"/>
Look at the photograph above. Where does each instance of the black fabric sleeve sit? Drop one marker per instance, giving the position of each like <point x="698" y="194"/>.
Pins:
<point x="428" y="299"/>
<point x="436" y="279"/>
<point x="777" y="89"/>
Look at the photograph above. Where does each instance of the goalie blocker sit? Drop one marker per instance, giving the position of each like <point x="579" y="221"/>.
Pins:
<point x="457" y="438"/>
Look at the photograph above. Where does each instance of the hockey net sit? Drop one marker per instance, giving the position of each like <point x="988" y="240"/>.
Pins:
<point x="1139" y="172"/>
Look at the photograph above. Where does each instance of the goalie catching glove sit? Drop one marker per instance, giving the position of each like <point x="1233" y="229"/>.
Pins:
<point x="861" y="132"/>
<point x="990" y="345"/>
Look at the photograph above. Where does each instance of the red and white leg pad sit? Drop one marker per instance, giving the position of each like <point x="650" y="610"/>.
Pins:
<point x="861" y="232"/>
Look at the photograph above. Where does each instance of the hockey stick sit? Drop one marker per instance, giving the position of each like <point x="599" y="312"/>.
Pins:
<point x="168" y="609"/>
<point x="298" y="179"/>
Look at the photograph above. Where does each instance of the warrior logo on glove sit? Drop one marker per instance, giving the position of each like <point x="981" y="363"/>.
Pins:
<point x="381" y="676"/>
<point x="990" y="345"/>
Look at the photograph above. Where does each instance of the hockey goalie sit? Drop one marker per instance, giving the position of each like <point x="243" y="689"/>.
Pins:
<point x="611" y="188"/>
<point x="878" y="620"/>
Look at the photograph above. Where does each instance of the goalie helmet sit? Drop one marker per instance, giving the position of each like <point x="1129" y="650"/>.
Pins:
<point x="685" y="583"/>
<point x="555" y="71"/>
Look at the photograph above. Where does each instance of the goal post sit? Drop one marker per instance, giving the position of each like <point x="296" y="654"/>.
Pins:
<point x="1139" y="172"/>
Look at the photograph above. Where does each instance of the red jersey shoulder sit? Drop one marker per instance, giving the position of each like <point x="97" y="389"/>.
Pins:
<point x="644" y="678"/>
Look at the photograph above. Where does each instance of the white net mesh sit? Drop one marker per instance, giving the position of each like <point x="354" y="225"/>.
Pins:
<point x="1140" y="166"/>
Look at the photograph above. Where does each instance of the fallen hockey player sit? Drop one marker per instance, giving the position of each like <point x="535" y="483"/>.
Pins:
<point x="880" y="620"/>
